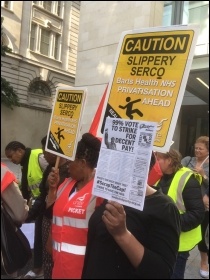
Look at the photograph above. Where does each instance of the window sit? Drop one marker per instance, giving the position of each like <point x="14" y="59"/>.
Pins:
<point x="56" y="47"/>
<point x="40" y="88"/>
<point x="167" y="13"/>
<point x="32" y="37"/>
<point x="58" y="10"/>
<point x="45" y="41"/>
<point x="54" y="7"/>
<point x="198" y="12"/>
<point x="6" y="4"/>
<point x="184" y="12"/>
<point x="39" y="94"/>
<point x="47" y="5"/>
<point x="173" y="12"/>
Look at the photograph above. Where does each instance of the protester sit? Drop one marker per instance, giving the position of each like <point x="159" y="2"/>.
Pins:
<point x="39" y="206"/>
<point x="200" y="164"/>
<point x="183" y="186"/>
<point x="126" y="243"/>
<point x="12" y="199"/>
<point x="48" y="211"/>
<point x="72" y="209"/>
<point x="33" y="165"/>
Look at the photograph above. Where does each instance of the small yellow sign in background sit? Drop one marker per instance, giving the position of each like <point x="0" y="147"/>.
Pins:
<point x="65" y="122"/>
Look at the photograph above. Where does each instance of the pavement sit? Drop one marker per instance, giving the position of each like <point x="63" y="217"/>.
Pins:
<point x="191" y="272"/>
<point x="193" y="265"/>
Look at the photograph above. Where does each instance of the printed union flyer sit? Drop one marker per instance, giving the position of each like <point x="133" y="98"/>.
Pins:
<point x="124" y="159"/>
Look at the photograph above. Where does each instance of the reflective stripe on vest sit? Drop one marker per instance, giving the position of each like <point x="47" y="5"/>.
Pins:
<point x="35" y="173"/>
<point x="181" y="184"/>
<point x="7" y="177"/>
<point x="71" y="222"/>
<point x="57" y="221"/>
<point x="69" y="248"/>
<point x="178" y="184"/>
<point x="69" y="229"/>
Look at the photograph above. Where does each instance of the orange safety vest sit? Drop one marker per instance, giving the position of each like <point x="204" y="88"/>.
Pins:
<point x="7" y="177"/>
<point x="69" y="229"/>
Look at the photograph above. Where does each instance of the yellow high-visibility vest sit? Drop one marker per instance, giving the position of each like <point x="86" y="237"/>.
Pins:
<point x="35" y="172"/>
<point x="190" y="238"/>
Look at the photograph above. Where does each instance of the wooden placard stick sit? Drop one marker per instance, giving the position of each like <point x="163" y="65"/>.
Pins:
<point x="57" y="162"/>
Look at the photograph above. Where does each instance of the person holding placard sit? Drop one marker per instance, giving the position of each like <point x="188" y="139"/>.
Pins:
<point x="74" y="204"/>
<point x="200" y="164"/>
<point x="126" y="243"/>
<point x="43" y="211"/>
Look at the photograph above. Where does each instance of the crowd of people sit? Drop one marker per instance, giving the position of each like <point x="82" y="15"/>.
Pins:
<point x="32" y="164"/>
<point x="81" y="236"/>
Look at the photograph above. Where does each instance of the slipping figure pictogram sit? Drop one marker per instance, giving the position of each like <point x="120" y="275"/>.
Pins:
<point x="129" y="108"/>
<point x="58" y="133"/>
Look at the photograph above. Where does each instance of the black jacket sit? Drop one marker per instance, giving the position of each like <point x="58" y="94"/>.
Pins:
<point x="24" y="181"/>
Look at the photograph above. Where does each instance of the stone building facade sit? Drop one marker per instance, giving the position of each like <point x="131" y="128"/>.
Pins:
<point x="43" y="36"/>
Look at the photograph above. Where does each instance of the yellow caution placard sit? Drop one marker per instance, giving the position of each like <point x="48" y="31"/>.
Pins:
<point x="149" y="78"/>
<point x="65" y="122"/>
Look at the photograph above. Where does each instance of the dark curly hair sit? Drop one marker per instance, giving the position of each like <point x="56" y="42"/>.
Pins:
<point x="88" y="148"/>
<point x="14" y="146"/>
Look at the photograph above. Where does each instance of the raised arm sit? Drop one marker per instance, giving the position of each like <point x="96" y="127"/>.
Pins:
<point x="106" y="141"/>
<point x="53" y="181"/>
